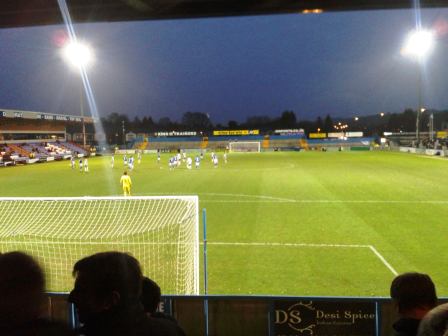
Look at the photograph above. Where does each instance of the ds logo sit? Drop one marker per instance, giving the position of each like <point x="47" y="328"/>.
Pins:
<point x="298" y="317"/>
<point x="291" y="316"/>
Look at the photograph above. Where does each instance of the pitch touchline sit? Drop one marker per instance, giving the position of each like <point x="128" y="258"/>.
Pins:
<point x="287" y="244"/>
<point x="370" y="247"/>
<point x="324" y="201"/>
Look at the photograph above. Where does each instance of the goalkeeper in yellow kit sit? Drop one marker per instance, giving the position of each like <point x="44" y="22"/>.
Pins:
<point x="126" y="183"/>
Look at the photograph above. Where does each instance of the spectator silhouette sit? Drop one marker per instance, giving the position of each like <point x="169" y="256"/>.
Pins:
<point x="414" y="295"/>
<point x="22" y="298"/>
<point x="151" y="297"/>
<point x="435" y="323"/>
<point x="107" y="297"/>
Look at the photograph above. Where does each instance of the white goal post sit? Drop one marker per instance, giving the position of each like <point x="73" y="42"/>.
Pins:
<point x="245" y="146"/>
<point x="162" y="232"/>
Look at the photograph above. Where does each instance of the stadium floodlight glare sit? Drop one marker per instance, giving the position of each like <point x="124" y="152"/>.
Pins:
<point x="419" y="44"/>
<point x="78" y="54"/>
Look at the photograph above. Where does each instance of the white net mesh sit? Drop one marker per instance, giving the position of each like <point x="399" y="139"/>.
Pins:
<point x="161" y="232"/>
<point x="244" y="146"/>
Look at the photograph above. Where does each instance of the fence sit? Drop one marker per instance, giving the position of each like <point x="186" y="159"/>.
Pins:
<point x="267" y="315"/>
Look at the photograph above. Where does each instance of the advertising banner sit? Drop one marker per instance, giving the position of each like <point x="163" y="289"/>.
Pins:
<point x="175" y="134"/>
<point x="323" y="318"/>
<point x="318" y="135"/>
<point x="354" y="134"/>
<point x="237" y="132"/>
<point x="336" y="135"/>
<point x="442" y="134"/>
<point x="289" y="131"/>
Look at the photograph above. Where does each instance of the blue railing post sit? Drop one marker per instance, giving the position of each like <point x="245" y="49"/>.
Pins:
<point x="204" y="222"/>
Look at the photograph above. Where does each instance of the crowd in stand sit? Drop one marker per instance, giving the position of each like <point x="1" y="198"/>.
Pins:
<point x="58" y="150"/>
<point x="110" y="295"/>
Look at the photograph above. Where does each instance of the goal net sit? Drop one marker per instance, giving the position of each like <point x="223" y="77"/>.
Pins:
<point x="244" y="146"/>
<point x="161" y="232"/>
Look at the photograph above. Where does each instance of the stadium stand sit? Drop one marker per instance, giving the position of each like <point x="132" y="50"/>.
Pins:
<point x="303" y="144"/>
<point x="31" y="137"/>
<point x="204" y="142"/>
<point x="19" y="150"/>
<point x="173" y="143"/>
<point x="75" y="148"/>
<point x="268" y="143"/>
<point x="284" y="141"/>
<point x="12" y="154"/>
<point x="349" y="143"/>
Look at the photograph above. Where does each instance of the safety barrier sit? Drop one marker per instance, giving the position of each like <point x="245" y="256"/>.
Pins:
<point x="267" y="315"/>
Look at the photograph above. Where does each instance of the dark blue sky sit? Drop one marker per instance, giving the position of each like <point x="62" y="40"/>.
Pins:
<point x="343" y="64"/>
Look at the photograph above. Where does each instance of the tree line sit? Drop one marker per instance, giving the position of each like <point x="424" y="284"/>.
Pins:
<point x="371" y="125"/>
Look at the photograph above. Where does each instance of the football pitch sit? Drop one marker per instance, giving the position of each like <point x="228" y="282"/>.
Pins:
<point x="299" y="223"/>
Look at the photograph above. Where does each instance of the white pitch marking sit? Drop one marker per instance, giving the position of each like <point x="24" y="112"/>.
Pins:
<point x="273" y="199"/>
<point x="287" y="244"/>
<point x="325" y="201"/>
<point x="389" y="266"/>
<point x="370" y="247"/>
<point x="229" y="195"/>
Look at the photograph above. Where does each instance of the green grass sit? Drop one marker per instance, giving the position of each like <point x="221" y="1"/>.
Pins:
<point x="394" y="202"/>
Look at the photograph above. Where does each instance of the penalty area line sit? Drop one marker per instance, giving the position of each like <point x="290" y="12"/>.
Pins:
<point x="383" y="260"/>
<point x="370" y="247"/>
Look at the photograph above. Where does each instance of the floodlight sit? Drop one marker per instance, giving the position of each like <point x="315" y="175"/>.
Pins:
<point x="312" y="11"/>
<point x="78" y="54"/>
<point x="418" y="44"/>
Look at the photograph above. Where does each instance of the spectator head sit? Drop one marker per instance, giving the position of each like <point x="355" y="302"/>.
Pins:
<point x="413" y="292"/>
<point x="22" y="286"/>
<point x="105" y="282"/>
<point x="150" y="295"/>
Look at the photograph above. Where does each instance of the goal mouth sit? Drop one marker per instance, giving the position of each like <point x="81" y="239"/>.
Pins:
<point x="245" y="146"/>
<point x="162" y="232"/>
